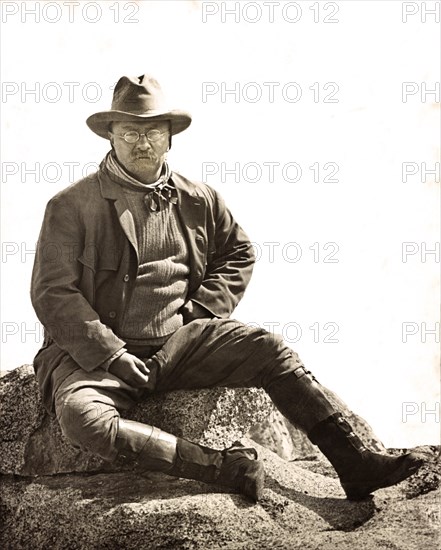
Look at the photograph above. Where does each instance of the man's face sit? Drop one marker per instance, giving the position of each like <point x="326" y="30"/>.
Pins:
<point x="142" y="158"/>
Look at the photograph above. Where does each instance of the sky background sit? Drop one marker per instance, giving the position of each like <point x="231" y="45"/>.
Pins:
<point x="322" y="150"/>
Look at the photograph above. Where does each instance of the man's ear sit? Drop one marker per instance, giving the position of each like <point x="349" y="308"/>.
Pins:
<point x="169" y="135"/>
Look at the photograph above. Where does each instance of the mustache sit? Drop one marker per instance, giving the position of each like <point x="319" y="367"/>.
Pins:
<point x="150" y="156"/>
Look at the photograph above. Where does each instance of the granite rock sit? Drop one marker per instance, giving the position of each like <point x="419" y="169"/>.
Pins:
<point x="300" y="509"/>
<point x="31" y="442"/>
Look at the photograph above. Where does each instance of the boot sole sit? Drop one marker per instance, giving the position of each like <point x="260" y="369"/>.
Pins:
<point x="359" y="491"/>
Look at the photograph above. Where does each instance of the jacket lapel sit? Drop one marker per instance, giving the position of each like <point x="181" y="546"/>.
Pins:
<point x="112" y="190"/>
<point x="127" y="223"/>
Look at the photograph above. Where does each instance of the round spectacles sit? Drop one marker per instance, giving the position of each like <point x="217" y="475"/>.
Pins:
<point x="133" y="136"/>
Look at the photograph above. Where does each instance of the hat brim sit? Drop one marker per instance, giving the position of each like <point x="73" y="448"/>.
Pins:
<point x="100" y="122"/>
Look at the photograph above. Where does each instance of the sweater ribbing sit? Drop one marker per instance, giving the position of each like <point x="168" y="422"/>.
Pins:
<point x="162" y="279"/>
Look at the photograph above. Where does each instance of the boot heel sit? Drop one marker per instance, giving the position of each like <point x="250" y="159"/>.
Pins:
<point x="242" y="473"/>
<point x="254" y="481"/>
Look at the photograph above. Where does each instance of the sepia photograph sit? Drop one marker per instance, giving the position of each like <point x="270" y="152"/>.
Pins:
<point x="220" y="274"/>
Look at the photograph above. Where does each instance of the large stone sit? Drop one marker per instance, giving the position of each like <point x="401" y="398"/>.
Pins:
<point x="31" y="441"/>
<point x="300" y="509"/>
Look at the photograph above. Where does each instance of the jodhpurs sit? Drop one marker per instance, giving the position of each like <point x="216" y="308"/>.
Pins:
<point x="201" y="354"/>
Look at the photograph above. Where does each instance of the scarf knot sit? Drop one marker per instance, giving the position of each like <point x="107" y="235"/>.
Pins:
<point x="159" y="193"/>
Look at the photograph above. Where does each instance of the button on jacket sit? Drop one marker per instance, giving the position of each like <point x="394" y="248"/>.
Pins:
<point x="87" y="260"/>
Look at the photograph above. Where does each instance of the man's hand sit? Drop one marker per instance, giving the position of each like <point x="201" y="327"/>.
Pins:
<point x="131" y="369"/>
<point x="192" y="310"/>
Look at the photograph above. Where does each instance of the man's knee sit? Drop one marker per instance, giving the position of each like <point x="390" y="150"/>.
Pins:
<point x="280" y="360"/>
<point x="89" y="425"/>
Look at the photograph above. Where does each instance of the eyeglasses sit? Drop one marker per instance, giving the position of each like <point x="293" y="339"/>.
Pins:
<point x="133" y="136"/>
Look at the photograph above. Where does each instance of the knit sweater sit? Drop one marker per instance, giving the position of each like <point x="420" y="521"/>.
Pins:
<point x="162" y="279"/>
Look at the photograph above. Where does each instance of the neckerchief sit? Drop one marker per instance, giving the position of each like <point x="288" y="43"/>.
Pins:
<point x="159" y="192"/>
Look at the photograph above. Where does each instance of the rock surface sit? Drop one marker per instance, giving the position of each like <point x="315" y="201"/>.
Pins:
<point x="300" y="509"/>
<point x="31" y="441"/>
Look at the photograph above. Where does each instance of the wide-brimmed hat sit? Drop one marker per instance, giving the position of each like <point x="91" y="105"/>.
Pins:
<point x="138" y="98"/>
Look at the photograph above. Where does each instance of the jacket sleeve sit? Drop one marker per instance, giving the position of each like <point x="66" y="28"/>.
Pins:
<point x="229" y="266"/>
<point x="68" y="317"/>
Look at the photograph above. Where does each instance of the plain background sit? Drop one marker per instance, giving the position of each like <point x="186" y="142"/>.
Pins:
<point x="360" y="301"/>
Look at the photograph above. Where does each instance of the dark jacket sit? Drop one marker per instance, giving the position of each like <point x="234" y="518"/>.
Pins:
<point x="87" y="260"/>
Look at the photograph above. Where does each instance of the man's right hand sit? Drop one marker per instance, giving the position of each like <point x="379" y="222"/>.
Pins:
<point x="131" y="369"/>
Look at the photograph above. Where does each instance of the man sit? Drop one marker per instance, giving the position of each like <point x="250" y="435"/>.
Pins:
<point x="136" y="274"/>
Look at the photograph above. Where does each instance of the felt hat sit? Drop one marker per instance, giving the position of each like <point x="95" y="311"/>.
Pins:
<point x="134" y="99"/>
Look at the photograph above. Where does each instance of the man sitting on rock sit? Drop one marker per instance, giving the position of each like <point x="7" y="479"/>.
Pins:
<point x="136" y="274"/>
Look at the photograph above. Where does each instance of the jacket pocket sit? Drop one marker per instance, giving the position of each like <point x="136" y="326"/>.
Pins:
<point x="103" y="264"/>
<point x="94" y="276"/>
<point x="96" y="273"/>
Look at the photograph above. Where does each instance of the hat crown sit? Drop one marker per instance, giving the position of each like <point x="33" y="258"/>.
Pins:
<point x="138" y="95"/>
<point x="138" y="98"/>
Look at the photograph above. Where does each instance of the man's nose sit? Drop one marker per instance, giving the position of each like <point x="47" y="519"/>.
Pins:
<point x="143" y="143"/>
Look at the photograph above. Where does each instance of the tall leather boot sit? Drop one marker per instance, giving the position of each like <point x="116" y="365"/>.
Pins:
<point x="300" y="398"/>
<point x="360" y="470"/>
<point x="150" y="448"/>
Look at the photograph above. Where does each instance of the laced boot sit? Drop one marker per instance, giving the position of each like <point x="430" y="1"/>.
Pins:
<point x="301" y="399"/>
<point x="360" y="470"/>
<point x="150" y="448"/>
<point x="236" y="467"/>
